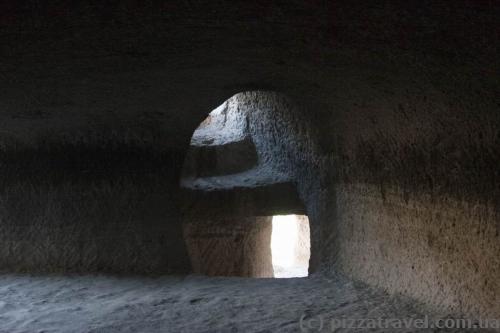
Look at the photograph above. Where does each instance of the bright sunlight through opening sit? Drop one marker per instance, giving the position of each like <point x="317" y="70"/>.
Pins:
<point x="290" y="246"/>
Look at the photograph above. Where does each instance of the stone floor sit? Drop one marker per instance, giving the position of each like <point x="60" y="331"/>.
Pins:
<point x="98" y="303"/>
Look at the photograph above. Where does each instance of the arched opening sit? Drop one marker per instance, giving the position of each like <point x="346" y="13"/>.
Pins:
<point x="240" y="204"/>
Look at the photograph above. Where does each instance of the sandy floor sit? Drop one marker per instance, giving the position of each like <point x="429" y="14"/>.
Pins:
<point x="186" y="304"/>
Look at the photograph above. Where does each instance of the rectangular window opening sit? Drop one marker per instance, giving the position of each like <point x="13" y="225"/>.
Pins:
<point x="290" y="246"/>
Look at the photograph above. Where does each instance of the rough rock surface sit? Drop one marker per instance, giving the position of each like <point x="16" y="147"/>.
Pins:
<point x="395" y="145"/>
<point x="194" y="304"/>
<point x="221" y="145"/>
<point x="303" y="248"/>
<point x="230" y="247"/>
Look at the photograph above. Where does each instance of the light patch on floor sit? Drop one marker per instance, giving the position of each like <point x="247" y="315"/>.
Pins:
<point x="290" y="246"/>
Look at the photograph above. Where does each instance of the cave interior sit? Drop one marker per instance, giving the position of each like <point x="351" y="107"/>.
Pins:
<point x="230" y="166"/>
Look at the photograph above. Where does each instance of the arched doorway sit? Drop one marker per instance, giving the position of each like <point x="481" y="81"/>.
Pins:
<point x="235" y="196"/>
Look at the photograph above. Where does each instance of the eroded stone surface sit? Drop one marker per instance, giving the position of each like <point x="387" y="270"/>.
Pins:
<point x="398" y="100"/>
<point x="195" y="304"/>
<point x="238" y="246"/>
